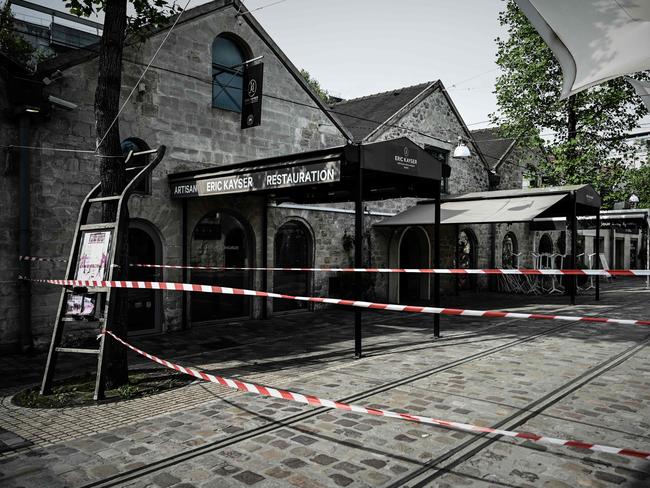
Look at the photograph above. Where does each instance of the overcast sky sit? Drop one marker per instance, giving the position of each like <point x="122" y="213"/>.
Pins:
<point x="359" y="47"/>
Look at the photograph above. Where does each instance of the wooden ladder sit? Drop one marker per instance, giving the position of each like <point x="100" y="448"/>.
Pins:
<point x="102" y="295"/>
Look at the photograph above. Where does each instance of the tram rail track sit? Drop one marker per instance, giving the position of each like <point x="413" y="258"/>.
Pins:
<point x="141" y="471"/>
<point x="444" y="463"/>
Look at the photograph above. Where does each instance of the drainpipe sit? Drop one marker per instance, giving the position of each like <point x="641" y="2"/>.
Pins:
<point x="24" y="286"/>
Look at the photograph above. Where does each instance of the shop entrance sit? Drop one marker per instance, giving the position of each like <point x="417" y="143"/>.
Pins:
<point x="144" y="306"/>
<point x="293" y="249"/>
<point x="219" y="240"/>
<point x="414" y="252"/>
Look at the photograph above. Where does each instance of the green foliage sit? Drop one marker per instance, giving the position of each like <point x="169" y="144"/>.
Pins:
<point x="148" y="13"/>
<point x="528" y="95"/>
<point x="639" y="184"/>
<point x="11" y="43"/>
<point x="322" y="93"/>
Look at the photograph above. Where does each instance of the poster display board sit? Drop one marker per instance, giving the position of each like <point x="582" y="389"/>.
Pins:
<point x="93" y="255"/>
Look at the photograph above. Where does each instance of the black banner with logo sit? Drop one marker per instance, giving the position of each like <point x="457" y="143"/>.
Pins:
<point x="251" y="114"/>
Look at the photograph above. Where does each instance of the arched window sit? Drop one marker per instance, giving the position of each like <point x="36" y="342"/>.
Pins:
<point x="293" y="249"/>
<point x="466" y="258"/>
<point x="509" y="258"/>
<point x="545" y="245"/>
<point x="227" y="74"/>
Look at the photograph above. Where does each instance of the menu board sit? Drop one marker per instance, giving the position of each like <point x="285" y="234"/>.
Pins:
<point x="93" y="256"/>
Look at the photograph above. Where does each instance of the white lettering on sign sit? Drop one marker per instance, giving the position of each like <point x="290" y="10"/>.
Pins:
<point x="262" y="180"/>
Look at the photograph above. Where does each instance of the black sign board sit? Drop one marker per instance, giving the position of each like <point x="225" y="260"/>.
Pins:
<point x="270" y="179"/>
<point x="401" y="156"/>
<point x="251" y="114"/>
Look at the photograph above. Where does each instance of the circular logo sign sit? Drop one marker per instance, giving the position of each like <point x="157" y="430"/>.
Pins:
<point x="252" y="88"/>
<point x="250" y="120"/>
<point x="406" y="152"/>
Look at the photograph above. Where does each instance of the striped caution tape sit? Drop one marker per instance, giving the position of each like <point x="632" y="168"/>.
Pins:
<point x="488" y="271"/>
<point x="165" y="285"/>
<point x="494" y="271"/>
<point x="322" y="402"/>
<point x="37" y="258"/>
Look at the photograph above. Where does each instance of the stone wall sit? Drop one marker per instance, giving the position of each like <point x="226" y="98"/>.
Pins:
<point x="9" y="266"/>
<point x="171" y="109"/>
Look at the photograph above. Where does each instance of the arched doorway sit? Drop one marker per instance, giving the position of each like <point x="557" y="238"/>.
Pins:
<point x="545" y="250"/>
<point x="466" y="258"/>
<point x="292" y="249"/>
<point x="414" y="252"/>
<point x="509" y="251"/>
<point x="144" y="306"/>
<point x="219" y="240"/>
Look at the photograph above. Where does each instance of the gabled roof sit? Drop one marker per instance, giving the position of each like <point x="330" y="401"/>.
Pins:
<point x="495" y="148"/>
<point x="362" y="116"/>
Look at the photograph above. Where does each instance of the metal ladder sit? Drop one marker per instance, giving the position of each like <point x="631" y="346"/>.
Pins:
<point x="103" y="295"/>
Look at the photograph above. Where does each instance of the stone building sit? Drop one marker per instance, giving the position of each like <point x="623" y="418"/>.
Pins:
<point x="190" y="101"/>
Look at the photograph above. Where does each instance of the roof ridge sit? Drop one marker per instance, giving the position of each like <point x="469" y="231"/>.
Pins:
<point x="373" y="95"/>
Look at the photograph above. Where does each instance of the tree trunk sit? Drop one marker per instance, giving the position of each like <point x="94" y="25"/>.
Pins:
<point x="572" y="119"/>
<point x="112" y="172"/>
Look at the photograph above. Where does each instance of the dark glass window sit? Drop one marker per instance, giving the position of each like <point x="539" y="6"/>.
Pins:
<point x="227" y="77"/>
<point x="293" y="249"/>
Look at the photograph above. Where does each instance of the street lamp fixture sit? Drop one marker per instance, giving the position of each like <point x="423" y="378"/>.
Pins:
<point x="462" y="150"/>
<point x="634" y="200"/>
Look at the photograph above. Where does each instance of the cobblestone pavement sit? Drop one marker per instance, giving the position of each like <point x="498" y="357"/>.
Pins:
<point x="571" y="380"/>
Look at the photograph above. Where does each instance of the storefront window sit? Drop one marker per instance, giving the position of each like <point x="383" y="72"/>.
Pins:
<point x="219" y="240"/>
<point x="292" y="250"/>
<point x="509" y="258"/>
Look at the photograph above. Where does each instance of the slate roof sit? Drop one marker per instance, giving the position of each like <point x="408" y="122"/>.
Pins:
<point x="361" y="116"/>
<point x="493" y="146"/>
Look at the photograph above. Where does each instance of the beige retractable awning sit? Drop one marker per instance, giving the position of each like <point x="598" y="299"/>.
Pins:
<point x="593" y="40"/>
<point x="477" y="211"/>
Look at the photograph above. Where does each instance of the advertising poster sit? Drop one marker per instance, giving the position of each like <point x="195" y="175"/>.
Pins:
<point x="93" y="256"/>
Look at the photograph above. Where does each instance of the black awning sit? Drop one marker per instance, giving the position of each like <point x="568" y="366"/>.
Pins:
<point x="390" y="169"/>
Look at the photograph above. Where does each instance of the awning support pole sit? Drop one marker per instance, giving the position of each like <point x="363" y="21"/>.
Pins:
<point x="647" y="251"/>
<point x="574" y="238"/>
<point x="265" y="255"/>
<point x="457" y="257"/>
<point x="597" y="254"/>
<point x="436" y="259"/>
<point x="186" y="296"/>
<point x="358" y="254"/>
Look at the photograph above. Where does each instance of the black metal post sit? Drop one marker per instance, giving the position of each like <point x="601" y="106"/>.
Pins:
<point x="457" y="258"/>
<point x="358" y="253"/>
<point x="436" y="259"/>
<point x="574" y="237"/>
<point x="186" y="296"/>
<point x="24" y="225"/>
<point x="597" y="256"/>
<point x="265" y="255"/>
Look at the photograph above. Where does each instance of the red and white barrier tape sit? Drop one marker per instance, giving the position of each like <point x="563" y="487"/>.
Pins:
<point x="488" y="271"/>
<point x="165" y="285"/>
<point x="495" y="271"/>
<point x="322" y="402"/>
<point x="36" y="258"/>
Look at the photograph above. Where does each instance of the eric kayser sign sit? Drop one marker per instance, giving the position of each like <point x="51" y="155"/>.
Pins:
<point x="311" y="174"/>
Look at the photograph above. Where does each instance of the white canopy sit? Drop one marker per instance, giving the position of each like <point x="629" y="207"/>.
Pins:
<point x="476" y="211"/>
<point x="642" y="89"/>
<point x="593" y="40"/>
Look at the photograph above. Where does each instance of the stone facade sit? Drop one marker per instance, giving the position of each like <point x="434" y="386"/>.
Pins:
<point x="172" y="105"/>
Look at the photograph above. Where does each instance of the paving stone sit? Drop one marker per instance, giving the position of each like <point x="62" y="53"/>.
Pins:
<point x="347" y="467"/>
<point x="324" y="459"/>
<point x="341" y="480"/>
<point x="609" y="477"/>
<point x="294" y="463"/>
<point x="303" y="439"/>
<point x="248" y="477"/>
<point x="165" y="479"/>
<point x="375" y="463"/>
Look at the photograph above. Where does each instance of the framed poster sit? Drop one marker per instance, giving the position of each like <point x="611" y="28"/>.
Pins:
<point x="93" y="255"/>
